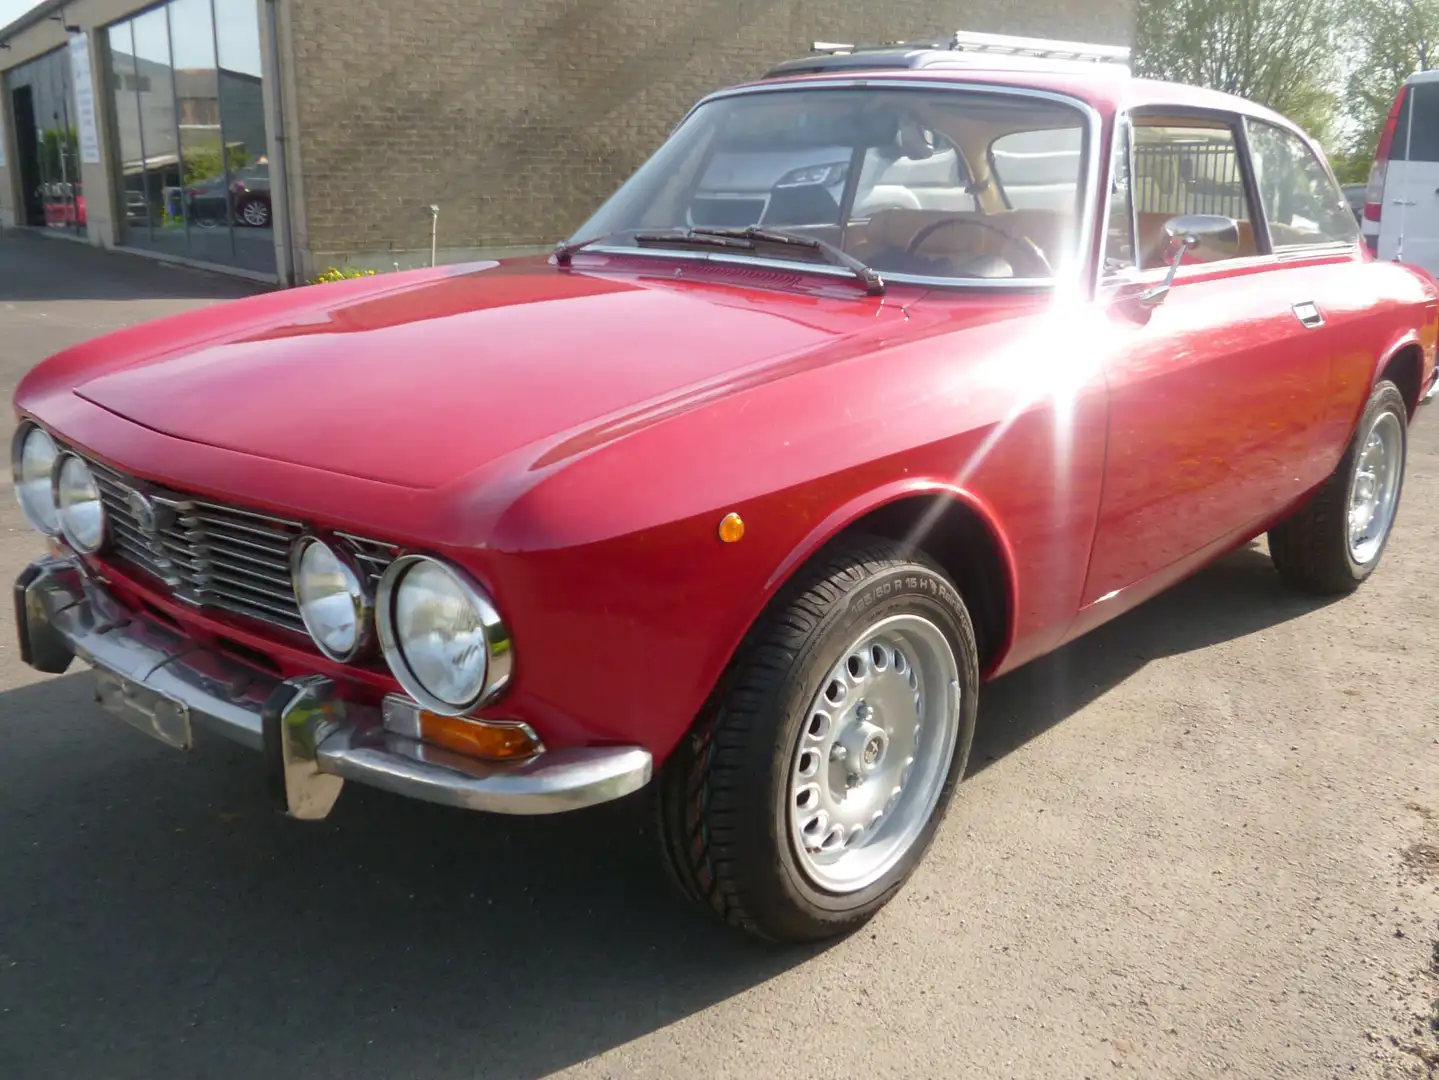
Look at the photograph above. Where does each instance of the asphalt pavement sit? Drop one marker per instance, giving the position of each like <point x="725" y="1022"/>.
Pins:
<point x="1201" y="842"/>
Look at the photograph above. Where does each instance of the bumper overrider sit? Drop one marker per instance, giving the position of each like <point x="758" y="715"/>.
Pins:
<point x="312" y="739"/>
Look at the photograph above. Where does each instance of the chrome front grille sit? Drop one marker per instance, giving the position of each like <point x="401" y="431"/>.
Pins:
<point x="211" y="555"/>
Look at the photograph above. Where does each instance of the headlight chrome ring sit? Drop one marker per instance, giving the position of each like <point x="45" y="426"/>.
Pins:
<point x="333" y="595"/>
<point x="473" y="621"/>
<point x="81" y="511"/>
<point x="32" y="461"/>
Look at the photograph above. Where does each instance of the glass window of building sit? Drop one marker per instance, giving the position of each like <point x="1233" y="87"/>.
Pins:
<point x="46" y="142"/>
<point x="187" y="92"/>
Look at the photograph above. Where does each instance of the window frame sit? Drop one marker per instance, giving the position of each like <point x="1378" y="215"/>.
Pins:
<point x="1123" y="126"/>
<point x="1291" y="252"/>
<point x="1092" y="176"/>
<point x="1146" y="114"/>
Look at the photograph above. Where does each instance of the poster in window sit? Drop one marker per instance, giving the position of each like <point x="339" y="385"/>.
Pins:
<point x="84" y="99"/>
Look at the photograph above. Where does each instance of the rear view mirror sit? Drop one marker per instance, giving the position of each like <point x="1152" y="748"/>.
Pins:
<point x="1212" y="236"/>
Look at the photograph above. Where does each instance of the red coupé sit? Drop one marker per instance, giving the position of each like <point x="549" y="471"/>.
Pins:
<point x="886" y="374"/>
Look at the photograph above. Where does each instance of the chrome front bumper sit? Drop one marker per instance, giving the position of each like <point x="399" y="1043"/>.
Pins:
<point x="312" y="740"/>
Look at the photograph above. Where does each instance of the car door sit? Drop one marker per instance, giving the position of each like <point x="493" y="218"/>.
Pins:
<point x="1216" y="389"/>
<point x="1316" y="241"/>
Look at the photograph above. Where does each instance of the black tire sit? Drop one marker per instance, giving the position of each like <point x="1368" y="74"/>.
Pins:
<point x="1311" y="549"/>
<point x="723" y="796"/>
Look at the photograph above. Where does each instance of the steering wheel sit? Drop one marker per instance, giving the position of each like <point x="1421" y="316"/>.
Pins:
<point x="1021" y="244"/>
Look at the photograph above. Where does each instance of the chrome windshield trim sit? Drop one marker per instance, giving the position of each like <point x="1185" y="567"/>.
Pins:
<point x="759" y="262"/>
<point x="1084" y="249"/>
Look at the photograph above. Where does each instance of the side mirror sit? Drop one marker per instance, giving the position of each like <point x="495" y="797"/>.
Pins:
<point x="1211" y="235"/>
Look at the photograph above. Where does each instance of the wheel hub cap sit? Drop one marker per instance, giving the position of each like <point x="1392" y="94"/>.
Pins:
<point x="874" y="752"/>
<point x="1374" y="490"/>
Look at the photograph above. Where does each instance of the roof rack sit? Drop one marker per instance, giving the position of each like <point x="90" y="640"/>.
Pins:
<point x="962" y="49"/>
<point x="1012" y="45"/>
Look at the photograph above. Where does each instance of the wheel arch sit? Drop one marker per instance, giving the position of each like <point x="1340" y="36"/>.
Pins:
<point x="955" y="528"/>
<point x="1403" y="365"/>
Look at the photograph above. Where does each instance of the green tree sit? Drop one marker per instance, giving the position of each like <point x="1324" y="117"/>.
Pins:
<point x="1279" y="53"/>
<point x="55" y="144"/>
<point x="1391" y="39"/>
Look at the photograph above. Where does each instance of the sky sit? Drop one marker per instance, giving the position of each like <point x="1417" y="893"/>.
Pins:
<point x="237" y="27"/>
<point x="10" y="10"/>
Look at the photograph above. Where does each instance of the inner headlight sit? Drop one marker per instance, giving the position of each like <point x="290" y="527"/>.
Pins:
<point x="827" y="175"/>
<point x="332" y="598"/>
<point x="32" y="458"/>
<point x="77" y="499"/>
<point x="441" y="636"/>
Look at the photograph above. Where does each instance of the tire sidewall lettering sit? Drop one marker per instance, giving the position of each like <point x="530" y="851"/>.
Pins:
<point x="875" y="592"/>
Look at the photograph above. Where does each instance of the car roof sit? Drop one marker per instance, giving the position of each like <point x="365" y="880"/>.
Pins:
<point x="1422" y="77"/>
<point x="1106" y="88"/>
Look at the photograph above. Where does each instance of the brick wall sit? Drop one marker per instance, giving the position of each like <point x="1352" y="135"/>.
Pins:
<point x="518" y="117"/>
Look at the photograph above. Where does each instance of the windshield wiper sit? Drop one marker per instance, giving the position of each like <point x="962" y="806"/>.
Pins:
<point x="745" y="239"/>
<point x="867" y="276"/>
<point x="565" y="251"/>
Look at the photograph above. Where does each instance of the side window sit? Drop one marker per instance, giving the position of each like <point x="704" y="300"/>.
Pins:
<point x="1119" y="251"/>
<point x="1038" y="170"/>
<point x="1302" y="204"/>
<point x="1184" y="169"/>
<point x="1423" y="98"/>
<point x="921" y="170"/>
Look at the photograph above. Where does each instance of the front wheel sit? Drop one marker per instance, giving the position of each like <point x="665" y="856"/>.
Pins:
<point x="1335" y="541"/>
<point x="799" y="806"/>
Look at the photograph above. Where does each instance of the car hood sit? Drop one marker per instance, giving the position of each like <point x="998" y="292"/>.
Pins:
<point x="419" y="385"/>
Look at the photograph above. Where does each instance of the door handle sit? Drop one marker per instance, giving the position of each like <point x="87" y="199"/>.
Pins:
<point x="1307" y="312"/>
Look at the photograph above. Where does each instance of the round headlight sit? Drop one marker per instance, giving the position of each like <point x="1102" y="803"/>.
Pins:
<point x="32" y="458"/>
<point x="77" y="499"/>
<point x="333" y="601"/>
<point x="442" y="637"/>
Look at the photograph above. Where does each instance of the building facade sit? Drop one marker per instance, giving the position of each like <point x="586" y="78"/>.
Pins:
<point x="279" y="137"/>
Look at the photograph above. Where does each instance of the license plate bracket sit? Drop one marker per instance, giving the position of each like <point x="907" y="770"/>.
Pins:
<point x="157" y="715"/>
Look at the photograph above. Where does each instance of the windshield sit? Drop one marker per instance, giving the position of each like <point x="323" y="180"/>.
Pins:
<point x="955" y="185"/>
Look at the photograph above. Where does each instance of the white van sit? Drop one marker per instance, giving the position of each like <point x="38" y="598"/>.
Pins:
<point x="1401" y="203"/>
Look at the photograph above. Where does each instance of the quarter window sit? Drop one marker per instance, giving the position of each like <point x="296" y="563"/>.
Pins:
<point x="1119" y="251"/>
<point x="1186" y="169"/>
<point x="1303" y="205"/>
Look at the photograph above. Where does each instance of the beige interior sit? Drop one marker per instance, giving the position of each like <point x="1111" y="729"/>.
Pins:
<point x="1153" y="251"/>
<point x="891" y="233"/>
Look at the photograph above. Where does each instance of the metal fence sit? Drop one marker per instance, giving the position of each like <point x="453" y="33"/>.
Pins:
<point x="1188" y="178"/>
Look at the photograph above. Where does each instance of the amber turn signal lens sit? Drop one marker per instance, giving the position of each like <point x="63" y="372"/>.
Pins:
<point x="731" y="528"/>
<point x="503" y="741"/>
<point x="493" y="740"/>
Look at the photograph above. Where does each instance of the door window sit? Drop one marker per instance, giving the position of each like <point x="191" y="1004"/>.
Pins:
<point x="1183" y="169"/>
<point x="1302" y="203"/>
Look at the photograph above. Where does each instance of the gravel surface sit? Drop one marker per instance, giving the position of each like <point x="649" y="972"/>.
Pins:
<point x="1201" y="842"/>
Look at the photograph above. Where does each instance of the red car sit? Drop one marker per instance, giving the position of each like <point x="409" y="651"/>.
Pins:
<point x="993" y="348"/>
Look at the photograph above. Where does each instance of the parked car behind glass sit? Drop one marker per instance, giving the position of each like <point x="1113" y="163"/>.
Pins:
<point x="207" y="203"/>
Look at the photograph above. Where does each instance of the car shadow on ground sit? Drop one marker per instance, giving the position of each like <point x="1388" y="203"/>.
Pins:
<point x="1237" y="596"/>
<point x="157" y="919"/>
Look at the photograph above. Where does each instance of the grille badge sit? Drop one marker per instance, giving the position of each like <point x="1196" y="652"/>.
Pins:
<point x="150" y="518"/>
